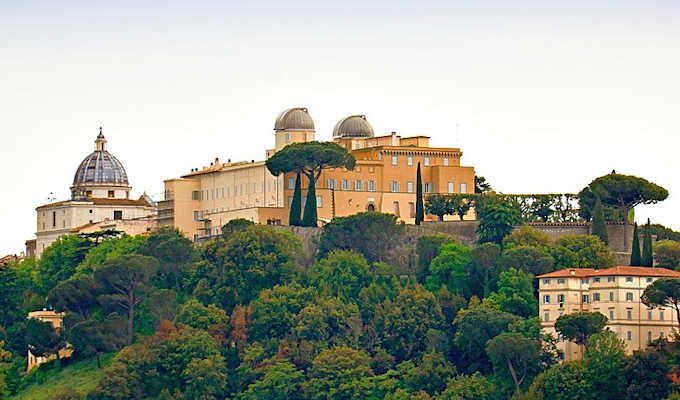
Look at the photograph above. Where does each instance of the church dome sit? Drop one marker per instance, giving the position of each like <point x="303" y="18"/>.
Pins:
<point x="353" y="126"/>
<point x="294" y="119"/>
<point x="100" y="168"/>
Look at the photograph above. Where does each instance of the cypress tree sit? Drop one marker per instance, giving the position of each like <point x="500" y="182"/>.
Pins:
<point x="647" y="260"/>
<point x="296" y="205"/>
<point x="599" y="228"/>
<point x="309" y="217"/>
<point x="635" y="259"/>
<point x="420" y="211"/>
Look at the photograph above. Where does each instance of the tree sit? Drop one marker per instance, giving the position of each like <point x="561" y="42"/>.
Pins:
<point x="93" y="337"/>
<point x="310" y="158"/>
<point x="449" y="268"/>
<point x="599" y="228"/>
<point x="174" y="253"/>
<point x="667" y="254"/>
<point x="273" y="312"/>
<point x="12" y="296"/>
<point x="420" y="212"/>
<point x="43" y="338"/>
<point x="531" y="259"/>
<point x="342" y="273"/>
<point x="237" y="225"/>
<point x="439" y="205"/>
<point x="469" y="387"/>
<point x="110" y="248"/>
<point x="296" y="204"/>
<point x="566" y="381"/>
<point x="647" y="259"/>
<point x="211" y="319"/>
<point x="647" y="376"/>
<point x="78" y="294"/>
<point x="335" y="374"/>
<point x="516" y="293"/>
<point x="372" y="234"/>
<point x="635" y="257"/>
<point x="427" y="248"/>
<point x="663" y="292"/>
<point x="484" y="269"/>
<point x="430" y="375"/>
<point x="582" y="251"/>
<point x="605" y="358"/>
<point x="309" y="218"/>
<point x="625" y="192"/>
<point x="279" y="380"/>
<point x="59" y="261"/>
<point x="460" y="204"/>
<point x="578" y="326"/>
<point x="527" y="236"/>
<point x="516" y="353"/>
<point x="123" y="280"/>
<point x="496" y="220"/>
<point x="481" y="185"/>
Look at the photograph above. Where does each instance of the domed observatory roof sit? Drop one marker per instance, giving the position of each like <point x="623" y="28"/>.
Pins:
<point x="100" y="168"/>
<point x="353" y="126"/>
<point x="294" y="119"/>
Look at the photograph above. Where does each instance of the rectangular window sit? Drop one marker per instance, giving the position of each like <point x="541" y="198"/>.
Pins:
<point x="409" y="187"/>
<point x="584" y="280"/>
<point x="611" y="296"/>
<point x="546" y="281"/>
<point x="426" y="161"/>
<point x="332" y="184"/>
<point x="88" y="194"/>
<point x="287" y="137"/>
<point x="212" y="194"/>
<point x="611" y="315"/>
<point x="319" y="202"/>
<point x="596" y="279"/>
<point x="650" y="280"/>
<point x="649" y="315"/>
<point x="661" y="316"/>
<point x="371" y="186"/>
<point x="111" y="194"/>
<point x="427" y="188"/>
<point x="409" y="160"/>
<point x="54" y="219"/>
<point x="629" y="314"/>
<point x="629" y="296"/>
<point x="344" y="184"/>
<point x="255" y="187"/>
<point x="629" y="279"/>
<point x="629" y="335"/>
<point x="546" y="316"/>
<point x="396" y="208"/>
<point x="411" y="209"/>
<point x="197" y="215"/>
<point x="560" y="281"/>
<point x="596" y="297"/>
<point x="584" y="298"/>
<point x="394" y="186"/>
<point x="228" y="191"/>
<point x="560" y="299"/>
<point x="546" y="299"/>
<point x="394" y="160"/>
<point x="463" y="187"/>
<point x="611" y="279"/>
<point x="451" y="187"/>
<point x="358" y="185"/>
<point x="446" y="162"/>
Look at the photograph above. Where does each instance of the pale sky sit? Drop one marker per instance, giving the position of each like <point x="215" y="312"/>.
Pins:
<point x="547" y="95"/>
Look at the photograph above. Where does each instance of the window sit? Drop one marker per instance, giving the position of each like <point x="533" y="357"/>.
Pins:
<point x="629" y="314"/>
<point x="629" y="335"/>
<point x="358" y="185"/>
<point x="463" y="187"/>
<point x="611" y="296"/>
<point x="228" y="192"/>
<point x="290" y="183"/>
<point x="596" y="297"/>
<point x="117" y="215"/>
<point x="88" y="194"/>
<point x="560" y="281"/>
<point x="427" y="187"/>
<point x="649" y="337"/>
<point x="546" y="316"/>
<point x="451" y="187"/>
<point x="611" y="314"/>
<point x="287" y="136"/>
<point x="411" y="210"/>
<point x="409" y="187"/>
<point x="332" y="184"/>
<point x="394" y="186"/>
<point x="394" y="160"/>
<point x="255" y="187"/>
<point x="409" y="160"/>
<point x="629" y="279"/>
<point x="290" y="201"/>
<point x="546" y="281"/>
<point x="629" y="296"/>
<point x="319" y="201"/>
<point x="371" y="186"/>
<point x="649" y="315"/>
<point x="90" y="211"/>
<point x="650" y="280"/>
<point x="344" y="184"/>
<point x="396" y="207"/>
<point x="584" y="280"/>
<point x="560" y="299"/>
<point x="197" y="215"/>
<point x="546" y="299"/>
<point x="584" y="298"/>
<point x="54" y="219"/>
<point x="661" y="316"/>
<point x="446" y="162"/>
<point x="611" y="279"/>
<point x="426" y="161"/>
<point x="596" y="279"/>
<point x="111" y="194"/>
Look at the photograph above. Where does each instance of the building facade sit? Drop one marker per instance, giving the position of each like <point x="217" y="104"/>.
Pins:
<point x="614" y="292"/>
<point x="100" y="193"/>
<point x="56" y="320"/>
<point x="384" y="179"/>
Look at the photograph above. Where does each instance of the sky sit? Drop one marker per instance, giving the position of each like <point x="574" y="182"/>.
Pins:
<point x="541" y="96"/>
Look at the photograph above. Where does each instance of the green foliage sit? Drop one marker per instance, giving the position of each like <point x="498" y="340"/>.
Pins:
<point x="273" y="312"/>
<point x="336" y="373"/>
<point x="481" y="185"/>
<point x="635" y="256"/>
<point x="109" y="249"/>
<point x="279" y="380"/>
<point x="310" y="217"/>
<point x="599" y="228"/>
<point x="664" y="233"/>
<point x="667" y="254"/>
<point x="430" y="375"/>
<point x="43" y="339"/>
<point x="93" y="337"/>
<point x="59" y="261"/>
<point x="296" y="204"/>
<point x="310" y="158"/>
<point x="663" y="292"/>
<point x="516" y="293"/>
<point x="372" y="234"/>
<point x="527" y="236"/>
<point x="239" y="225"/>
<point x="420" y="210"/>
<point x="582" y="251"/>
<point x="567" y="381"/>
<point x="12" y="295"/>
<point x="438" y="205"/>
<point x="427" y="248"/>
<point x="515" y="355"/>
<point x="449" y="268"/>
<point x="484" y="269"/>
<point x="209" y="318"/>
<point x="647" y="376"/>
<point x="647" y="258"/>
<point x="496" y="219"/>
<point x="469" y="387"/>
<point x="531" y="259"/>
<point x="342" y="273"/>
<point x="626" y="191"/>
<point x="578" y="326"/>
<point x="174" y="253"/>
<point x="604" y="359"/>
<point x="78" y="295"/>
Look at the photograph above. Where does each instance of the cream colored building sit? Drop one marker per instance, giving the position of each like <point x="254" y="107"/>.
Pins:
<point x="55" y="319"/>
<point x="614" y="292"/>
<point x="100" y="194"/>
<point x="201" y="201"/>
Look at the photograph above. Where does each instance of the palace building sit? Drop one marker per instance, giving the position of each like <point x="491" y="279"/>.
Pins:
<point x="384" y="179"/>
<point x="615" y="293"/>
<point x="100" y="200"/>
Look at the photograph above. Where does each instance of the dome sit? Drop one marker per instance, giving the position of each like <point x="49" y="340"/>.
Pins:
<point x="353" y="126"/>
<point x="295" y="119"/>
<point x="100" y="168"/>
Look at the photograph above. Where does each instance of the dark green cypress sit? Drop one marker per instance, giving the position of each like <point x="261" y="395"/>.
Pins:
<point x="420" y="210"/>
<point x="599" y="228"/>
<point x="635" y="259"/>
<point x="296" y="204"/>
<point x="647" y="258"/>
<point x="309" y="217"/>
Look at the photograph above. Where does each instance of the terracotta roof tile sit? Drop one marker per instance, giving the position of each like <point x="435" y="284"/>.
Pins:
<point x="569" y="272"/>
<point x="618" y="271"/>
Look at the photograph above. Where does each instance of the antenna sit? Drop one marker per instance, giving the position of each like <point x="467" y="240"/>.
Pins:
<point x="51" y="198"/>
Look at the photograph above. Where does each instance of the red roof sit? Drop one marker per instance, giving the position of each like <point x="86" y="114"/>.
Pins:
<point x="618" y="271"/>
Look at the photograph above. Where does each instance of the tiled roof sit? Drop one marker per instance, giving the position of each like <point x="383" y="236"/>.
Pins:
<point x="614" y="271"/>
<point x="102" y="202"/>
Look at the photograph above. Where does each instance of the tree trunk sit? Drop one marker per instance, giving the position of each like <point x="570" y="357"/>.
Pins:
<point x="99" y="360"/>
<point x="514" y="376"/>
<point x="441" y="217"/>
